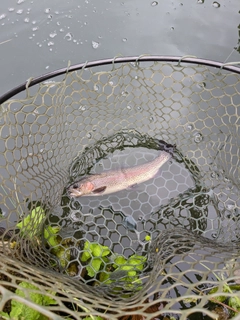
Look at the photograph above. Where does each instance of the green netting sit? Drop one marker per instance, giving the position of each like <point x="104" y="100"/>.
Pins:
<point x="167" y="248"/>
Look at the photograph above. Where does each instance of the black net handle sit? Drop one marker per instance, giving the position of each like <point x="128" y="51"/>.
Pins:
<point x="144" y="58"/>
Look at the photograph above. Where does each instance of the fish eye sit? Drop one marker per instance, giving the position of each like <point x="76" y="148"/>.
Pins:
<point x="75" y="186"/>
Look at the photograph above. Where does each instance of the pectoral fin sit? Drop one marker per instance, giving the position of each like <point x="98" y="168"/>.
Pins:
<point x="99" y="190"/>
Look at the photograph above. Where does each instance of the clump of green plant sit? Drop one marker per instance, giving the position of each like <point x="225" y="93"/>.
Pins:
<point x="21" y="311"/>
<point x="101" y="263"/>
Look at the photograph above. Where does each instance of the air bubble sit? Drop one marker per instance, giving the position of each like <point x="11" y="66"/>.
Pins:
<point x="89" y="135"/>
<point x="95" y="44"/>
<point x="216" y="4"/>
<point x="52" y="35"/>
<point x="200" y="1"/>
<point x="198" y="137"/>
<point x="83" y="108"/>
<point x="68" y="36"/>
<point x="129" y="107"/>
<point x="96" y="87"/>
<point x="124" y="93"/>
<point x="189" y="127"/>
<point x="172" y="28"/>
<point x="47" y="10"/>
<point x="154" y="3"/>
<point x="230" y="205"/>
<point x="201" y="85"/>
<point x="124" y="39"/>
<point x="214" y="235"/>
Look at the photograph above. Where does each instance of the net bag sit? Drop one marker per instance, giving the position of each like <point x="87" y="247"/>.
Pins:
<point x="163" y="248"/>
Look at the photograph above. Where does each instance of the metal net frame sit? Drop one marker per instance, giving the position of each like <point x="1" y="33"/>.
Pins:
<point x="166" y="250"/>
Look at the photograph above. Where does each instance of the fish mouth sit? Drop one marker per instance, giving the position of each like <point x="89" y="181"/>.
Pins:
<point x="73" y="193"/>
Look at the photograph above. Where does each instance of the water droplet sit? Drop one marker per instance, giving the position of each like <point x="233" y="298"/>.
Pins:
<point x="172" y="28"/>
<point x="216" y="4"/>
<point x="83" y="108"/>
<point x="139" y="108"/>
<point x="124" y="39"/>
<point x="47" y="67"/>
<point x="214" y="175"/>
<point x="61" y="30"/>
<point x="214" y="235"/>
<point x="53" y="34"/>
<point x="154" y="3"/>
<point x="20" y="1"/>
<point x="129" y="107"/>
<point x="189" y="127"/>
<point x="130" y="223"/>
<point x="136" y="77"/>
<point x="96" y="87"/>
<point x="47" y="10"/>
<point x="20" y="11"/>
<point x="95" y="44"/>
<point x="50" y="43"/>
<point x="230" y="205"/>
<point x="200" y="1"/>
<point x="201" y="85"/>
<point x="151" y="118"/>
<point x="68" y="36"/>
<point x="11" y="9"/>
<point x="198" y="137"/>
<point x="2" y="16"/>
<point x="124" y="93"/>
<point x="89" y="135"/>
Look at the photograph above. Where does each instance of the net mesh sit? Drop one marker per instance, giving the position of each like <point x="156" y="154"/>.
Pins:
<point x="165" y="249"/>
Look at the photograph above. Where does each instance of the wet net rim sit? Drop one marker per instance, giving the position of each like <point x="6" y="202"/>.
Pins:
<point x="143" y="58"/>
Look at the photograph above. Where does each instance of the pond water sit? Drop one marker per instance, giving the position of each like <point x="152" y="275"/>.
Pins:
<point x="43" y="36"/>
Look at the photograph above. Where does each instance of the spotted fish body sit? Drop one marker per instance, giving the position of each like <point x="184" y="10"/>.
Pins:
<point x="116" y="180"/>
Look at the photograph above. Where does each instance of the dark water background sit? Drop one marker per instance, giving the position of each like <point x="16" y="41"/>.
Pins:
<point x="45" y="35"/>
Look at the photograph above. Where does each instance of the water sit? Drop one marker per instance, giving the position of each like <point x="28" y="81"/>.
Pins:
<point x="100" y="30"/>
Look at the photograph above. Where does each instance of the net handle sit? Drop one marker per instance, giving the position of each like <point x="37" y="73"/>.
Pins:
<point x="230" y="66"/>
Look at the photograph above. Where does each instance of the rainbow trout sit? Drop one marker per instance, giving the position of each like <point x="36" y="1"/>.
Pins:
<point x="116" y="180"/>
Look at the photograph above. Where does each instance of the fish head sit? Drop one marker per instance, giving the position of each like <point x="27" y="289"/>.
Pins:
<point x="80" y="188"/>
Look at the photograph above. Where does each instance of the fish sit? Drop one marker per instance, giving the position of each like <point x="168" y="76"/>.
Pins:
<point x="112" y="181"/>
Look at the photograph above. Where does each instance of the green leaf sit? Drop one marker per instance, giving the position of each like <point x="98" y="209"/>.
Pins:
<point x="94" y="267"/>
<point x="4" y="315"/>
<point x="50" y="235"/>
<point x="22" y="311"/>
<point x="30" y="225"/>
<point x="137" y="261"/>
<point x="234" y="302"/>
<point x="120" y="260"/>
<point x="94" y="250"/>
